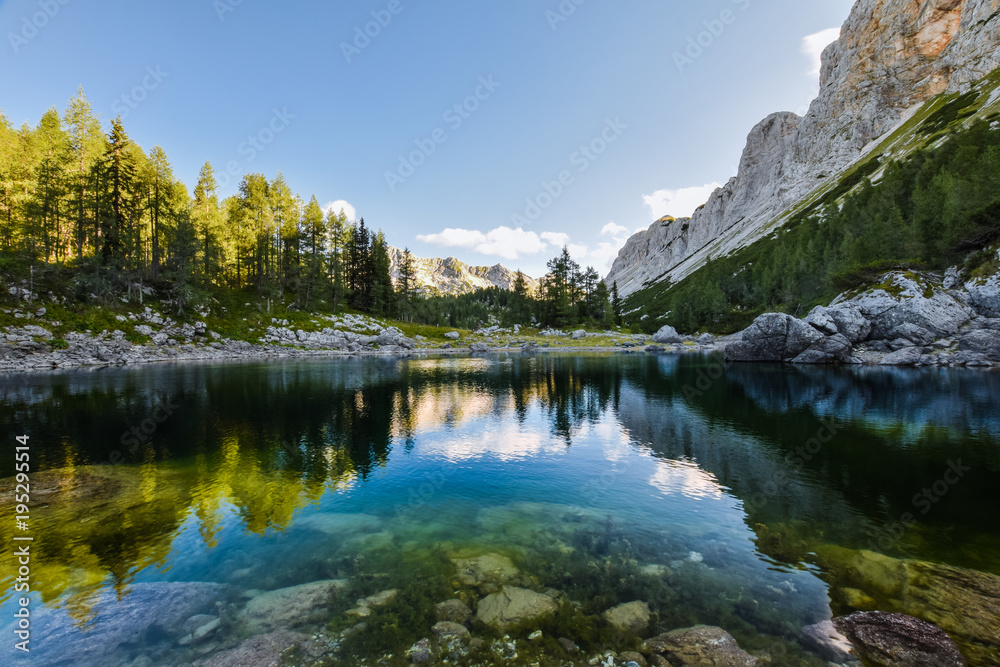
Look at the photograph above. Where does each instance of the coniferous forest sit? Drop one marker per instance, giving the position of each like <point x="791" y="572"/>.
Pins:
<point x="83" y="204"/>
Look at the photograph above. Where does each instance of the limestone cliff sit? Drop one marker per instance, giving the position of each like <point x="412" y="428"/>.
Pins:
<point x="892" y="56"/>
<point x="450" y="276"/>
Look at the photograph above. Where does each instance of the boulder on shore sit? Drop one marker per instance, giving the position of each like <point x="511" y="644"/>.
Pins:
<point x="774" y="337"/>
<point x="834" y="349"/>
<point x="667" y="336"/>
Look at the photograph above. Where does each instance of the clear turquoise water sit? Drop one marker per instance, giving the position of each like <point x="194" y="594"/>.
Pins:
<point x="607" y="477"/>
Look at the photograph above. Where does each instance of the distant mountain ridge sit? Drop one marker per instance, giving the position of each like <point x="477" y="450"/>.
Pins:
<point x="450" y="276"/>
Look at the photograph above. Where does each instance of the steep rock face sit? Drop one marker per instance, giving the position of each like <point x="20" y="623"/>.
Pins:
<point x="892" y="56"/>
<point x="450" y="276"/>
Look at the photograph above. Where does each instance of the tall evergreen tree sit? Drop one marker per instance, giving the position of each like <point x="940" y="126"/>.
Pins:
<point x="207" y="218"/>
<point x="118" y="180"/>
<point x="407" y="285"/>
<point x="382" y="293"/>
<point x="340" y="234"/>
<point x="314" y="233"/>
<point x="87" y="145"/>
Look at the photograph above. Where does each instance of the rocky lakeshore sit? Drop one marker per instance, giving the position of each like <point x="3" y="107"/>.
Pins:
<point x="909" y="319"/>
<point x="149" y="337"/>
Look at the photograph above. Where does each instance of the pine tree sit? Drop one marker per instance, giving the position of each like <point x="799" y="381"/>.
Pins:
<point x="407" y="285"/>
<point x="118" y="176"/>
<point x="46" y="207"/>
<point x="616" y="304"/>
<point x="207" y="218"/>
<point x="285" y="211"/>
<point x="360" y="276"/>
<point x="339" y="240"/>
<point x="314" y="232"/>
<point x="383" y="296"/>
<point x="87" y="145"/>
<point x="160" y="182"/>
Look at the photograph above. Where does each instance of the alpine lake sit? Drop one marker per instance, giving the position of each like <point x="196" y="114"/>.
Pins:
<point x="495" y="506"/>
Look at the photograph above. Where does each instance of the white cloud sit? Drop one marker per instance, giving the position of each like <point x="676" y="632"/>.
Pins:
<point x="678" y="203"/>
<point x="606" y="252"/>
<point x="502" y="242"/>
<point x="813" y="46"/>
<point x="613" y="229"/>
<point x="336" y="206"/>
<point x="556" y="238"/>
<point x="512" y="244"/>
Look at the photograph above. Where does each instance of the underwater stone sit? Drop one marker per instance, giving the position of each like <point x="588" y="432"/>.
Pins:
<point x="291" y="607"/>
<point x="513" y="606"/>
<point x="569" y="646"/>
<point x="379" y="599"/>
<point x="495" y="568"/>
<point x="258" y="651"/>
<point x="455" y="611"/>
<point x="633" y="658"/>
<point x="632" y="617"/>
<point x="700" y="645"/>
<point x="420" y="652"/>
<point x="340" y="524"/>
<point x="825" y="640"/>
<point x="161" y="605"/>
<point x="897" y="640"/>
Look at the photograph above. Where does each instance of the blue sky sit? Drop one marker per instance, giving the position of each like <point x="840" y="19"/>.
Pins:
<point x="488" y="131"/>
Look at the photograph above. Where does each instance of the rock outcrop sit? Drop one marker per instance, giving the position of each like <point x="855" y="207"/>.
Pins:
<point x="892" y="56"/>
<point x="907" y="320"/>
<point x="450" y="276"/>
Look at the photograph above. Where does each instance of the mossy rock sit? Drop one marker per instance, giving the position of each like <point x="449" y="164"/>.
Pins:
<point x="965" y="603"/>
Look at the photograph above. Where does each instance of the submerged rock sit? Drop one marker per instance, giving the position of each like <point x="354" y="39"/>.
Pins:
<point x="340" y="525"/>
<point x="264" y="650"/>
<point x="160" y="608"/>
<point x="965" y="603"/>
<point x="513" y="606"/>
<point x="699" y="646"/>
<point x="897" y="640"/>
<point x="632" y="617"/>
<point x="455" y="611"/>
<point x="420" y="652"/>
<point x="291" y="607"/>
<point x="490" y="568"/>
<point x="825" y="640"/>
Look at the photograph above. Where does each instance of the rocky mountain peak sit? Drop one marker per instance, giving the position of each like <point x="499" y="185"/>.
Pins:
<point x="892" y="56"/>
<point x="438" y="276"/>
